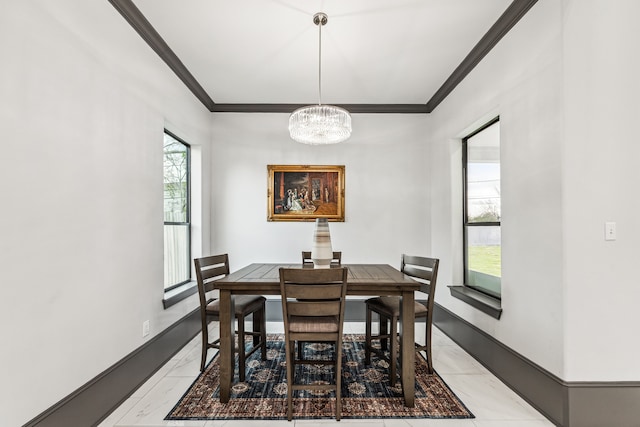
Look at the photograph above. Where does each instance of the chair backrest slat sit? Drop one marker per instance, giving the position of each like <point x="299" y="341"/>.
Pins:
<point x="313" y="309"/>
<point x="329" y="291"/>
<point x="419" y="273"/>
<point x="214" y="272"/>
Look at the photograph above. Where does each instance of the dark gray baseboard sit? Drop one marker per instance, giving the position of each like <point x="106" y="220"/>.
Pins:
<point x="566" y="404"/>
<point x="611" y="404"/>
<point x="94" y="401"/>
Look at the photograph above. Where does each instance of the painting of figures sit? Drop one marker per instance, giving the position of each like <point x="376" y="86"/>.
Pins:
<point x="304" y="193"/>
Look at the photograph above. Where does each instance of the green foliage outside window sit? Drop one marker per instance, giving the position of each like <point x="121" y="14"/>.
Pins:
<point x="175" y="180"/>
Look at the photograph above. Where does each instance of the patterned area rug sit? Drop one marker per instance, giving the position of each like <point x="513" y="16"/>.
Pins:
<point x="365" y="389"/>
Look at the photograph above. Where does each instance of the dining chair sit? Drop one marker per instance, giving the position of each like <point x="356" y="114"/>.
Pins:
<point x="307" y="262"/>
<point x="423" y="270"/>
<point x="313" y="303"/>
<point x="208" y="270"/>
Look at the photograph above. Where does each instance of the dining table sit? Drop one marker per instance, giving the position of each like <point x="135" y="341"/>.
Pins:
<point x="362" y="279"/>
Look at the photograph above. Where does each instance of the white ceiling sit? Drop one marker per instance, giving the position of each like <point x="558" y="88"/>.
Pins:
<point x="373" y="51"/>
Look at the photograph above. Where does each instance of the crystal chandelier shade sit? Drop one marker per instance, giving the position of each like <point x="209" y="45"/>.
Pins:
<point x="320" y="124"/>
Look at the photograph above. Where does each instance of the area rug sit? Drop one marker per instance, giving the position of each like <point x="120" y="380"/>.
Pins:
<point x="366" y="392"/>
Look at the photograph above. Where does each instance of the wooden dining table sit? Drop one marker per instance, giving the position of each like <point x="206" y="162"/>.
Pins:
<point x="363" y="279"/>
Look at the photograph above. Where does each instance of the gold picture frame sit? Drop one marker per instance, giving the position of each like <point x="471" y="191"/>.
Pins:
<point x="305" y="192"/>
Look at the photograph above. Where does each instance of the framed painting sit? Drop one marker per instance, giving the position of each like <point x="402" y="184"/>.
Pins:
<point x="304" y="193"/>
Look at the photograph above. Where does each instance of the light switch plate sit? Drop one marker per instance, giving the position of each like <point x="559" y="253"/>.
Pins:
<point x="146" y="327"/>
<point x="610" y="231"/>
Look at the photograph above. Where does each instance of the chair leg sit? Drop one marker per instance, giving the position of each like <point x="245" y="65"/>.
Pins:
<point x="205" y="345"/>
<point x="241" y="350"/>
<point x="427" y="350"/>
<point x="393" y="351"/>
<point x="338" y="380"/>
<point x="383" y="331"/>
<point x="255" y="323"/>
<point x="290" y="367"/>
<point x="367" y="340"/>
<point x="260" y="325"/>
<point x="263" y="333"/>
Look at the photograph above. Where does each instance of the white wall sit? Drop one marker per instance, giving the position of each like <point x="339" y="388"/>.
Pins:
<point x="386" y="189"/>
<point x="601" y="176"/>
<point x="565" y="84"/>
<point x="521" y="81"/>
<point x="82" y="110"/>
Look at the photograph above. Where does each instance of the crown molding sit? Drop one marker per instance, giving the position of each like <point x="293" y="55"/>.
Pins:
<point x="352" y="108"/>
<point x="516" y="10"/>
<point x="143" y="27"/>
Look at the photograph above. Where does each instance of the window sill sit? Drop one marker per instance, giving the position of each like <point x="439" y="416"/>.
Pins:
<point x="176" y="295"/>
<point x="482" y="302"/>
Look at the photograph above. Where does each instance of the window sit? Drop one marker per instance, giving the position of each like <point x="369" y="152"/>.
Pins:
<point x="482" y="237"/>
<point x="177" y="226"/>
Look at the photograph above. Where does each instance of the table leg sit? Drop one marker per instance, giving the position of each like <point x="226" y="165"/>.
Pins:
<point x="227" y="344"/>
<point x="407" y="350"/>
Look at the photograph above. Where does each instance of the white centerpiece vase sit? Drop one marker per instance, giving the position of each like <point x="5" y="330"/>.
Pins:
<point x="321" y="251"/>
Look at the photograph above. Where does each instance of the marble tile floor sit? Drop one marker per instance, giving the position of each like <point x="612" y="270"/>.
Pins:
<point x="492" y="402"/>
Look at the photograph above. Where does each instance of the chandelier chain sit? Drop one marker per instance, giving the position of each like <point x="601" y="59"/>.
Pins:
<point x="320" y="63"/>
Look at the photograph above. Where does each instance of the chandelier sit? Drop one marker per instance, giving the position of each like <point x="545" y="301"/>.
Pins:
<point x="320" y="124"/>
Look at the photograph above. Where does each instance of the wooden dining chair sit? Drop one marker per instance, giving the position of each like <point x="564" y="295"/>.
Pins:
<point x="208" y="270"/>
<point x="425" y="271"/>
<point x="307" y="262"/>
<point x="313" y="303"/>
